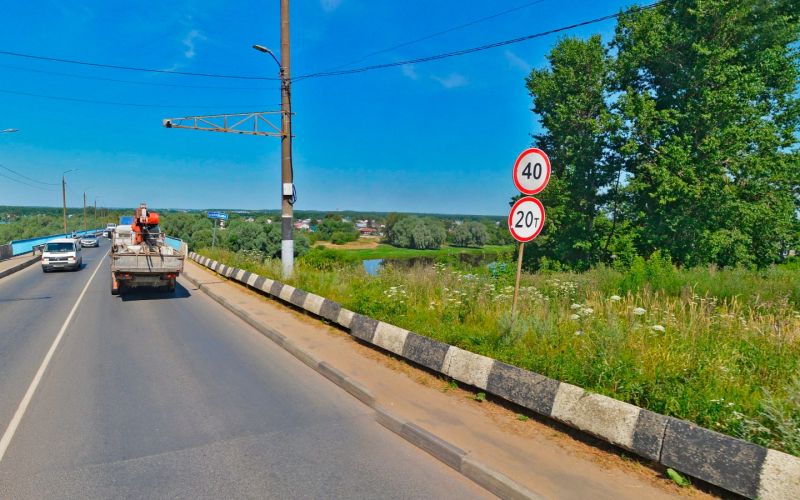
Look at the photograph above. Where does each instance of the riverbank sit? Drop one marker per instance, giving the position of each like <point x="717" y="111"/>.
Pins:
<point x="384" y="251"/>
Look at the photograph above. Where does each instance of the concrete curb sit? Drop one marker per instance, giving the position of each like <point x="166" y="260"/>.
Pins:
<point x="732" y="464"/>
<point x="19" y="267"/>
<point x="440" y="449"/>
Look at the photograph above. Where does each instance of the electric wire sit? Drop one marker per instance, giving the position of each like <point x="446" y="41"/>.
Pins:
<point x="133" y="68"/>
<point x="472" y="50"/>
<point x="117" y="80"/>
<point x="137" y="105"/>
<point x="28" y="178"/>
<point x="25" y="183"/>
<point x="439" y="33"/>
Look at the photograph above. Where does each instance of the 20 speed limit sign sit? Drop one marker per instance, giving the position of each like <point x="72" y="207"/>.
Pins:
<point x="532" y="171"/>
<point x="526" y="219"/>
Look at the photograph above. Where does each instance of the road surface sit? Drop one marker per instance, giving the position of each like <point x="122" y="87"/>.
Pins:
<point x="154" y="395"/>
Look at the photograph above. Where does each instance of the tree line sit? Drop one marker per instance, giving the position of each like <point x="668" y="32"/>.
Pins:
<point x="680" y="135"/>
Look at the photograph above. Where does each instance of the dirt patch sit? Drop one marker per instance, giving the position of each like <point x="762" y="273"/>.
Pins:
<point x="359" y="244"/>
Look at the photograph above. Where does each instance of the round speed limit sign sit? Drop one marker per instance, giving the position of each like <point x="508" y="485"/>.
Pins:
<point x="532" y="171"/>
<point x="526" y="219"/>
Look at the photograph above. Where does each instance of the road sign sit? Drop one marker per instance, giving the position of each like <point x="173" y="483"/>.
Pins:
<point x="532" y="171"/>
<point x="218" y="215"/>
<point x="526" y="219"/>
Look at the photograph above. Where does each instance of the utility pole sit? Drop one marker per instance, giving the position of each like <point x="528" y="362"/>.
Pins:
<point x="64" y="200"/>
<point x="236" y="123"/>
<point x="84" y="210"/>
<point x="287" y="198"/>
<point x="95" y="213"/>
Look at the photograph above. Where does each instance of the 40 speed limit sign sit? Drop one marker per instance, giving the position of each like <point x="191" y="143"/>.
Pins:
<point x="532" y="171"/>
<point x="526" y="219"/>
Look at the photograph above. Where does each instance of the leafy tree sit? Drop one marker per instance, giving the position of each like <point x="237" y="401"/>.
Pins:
<point x="679" y="136"/>
<point x="416" y="232"/>
<point x="470" y="234"/>
<point x="334" y="225"/>
<point x="572" y="98"/>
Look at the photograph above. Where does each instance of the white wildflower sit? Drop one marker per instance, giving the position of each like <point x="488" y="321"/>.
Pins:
<point x="575" y="306"/>
<point x="574" y="317"/>
<point x="658" y="328"/>
<point x="615" y="298"/>
<point x="639" y="311"/>
<point x="587" y="310"/>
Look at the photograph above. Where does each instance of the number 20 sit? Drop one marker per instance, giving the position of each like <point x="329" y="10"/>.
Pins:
<point x="527" y="216"/>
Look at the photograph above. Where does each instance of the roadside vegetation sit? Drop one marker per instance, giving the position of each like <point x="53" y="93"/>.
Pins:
<point x="720" y="347"/>
<point x="20" y="223"/>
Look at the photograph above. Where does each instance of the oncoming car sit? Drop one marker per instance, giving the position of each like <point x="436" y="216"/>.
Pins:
<point x="89" y="240"/>
<point x="61" y="253"/>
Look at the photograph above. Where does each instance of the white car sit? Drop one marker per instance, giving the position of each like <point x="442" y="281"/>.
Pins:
<point x="61" y="253"/>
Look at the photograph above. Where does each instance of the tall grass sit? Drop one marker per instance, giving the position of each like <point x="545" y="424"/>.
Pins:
<point x="717" y="347"/>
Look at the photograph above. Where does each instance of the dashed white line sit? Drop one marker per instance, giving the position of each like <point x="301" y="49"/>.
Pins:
<point x="8" y="435"/>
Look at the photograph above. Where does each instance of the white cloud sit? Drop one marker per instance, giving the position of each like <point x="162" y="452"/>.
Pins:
<point x="409" y="71"/>
<point x="451" y="81"/>
<point x="330" y="5"/>
<point x="189" y="42"/>
<point x="516" y="61"/>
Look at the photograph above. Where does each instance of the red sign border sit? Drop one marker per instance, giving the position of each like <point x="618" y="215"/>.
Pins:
<point x="516" y="164"/>
<point x="511" y="216"/>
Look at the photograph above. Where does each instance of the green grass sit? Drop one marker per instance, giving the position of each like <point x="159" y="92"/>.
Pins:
<point x="384" y="251"/>
<point x="717" y="347"/>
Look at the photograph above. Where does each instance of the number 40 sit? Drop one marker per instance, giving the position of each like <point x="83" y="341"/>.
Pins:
<point x="537" y="171"/>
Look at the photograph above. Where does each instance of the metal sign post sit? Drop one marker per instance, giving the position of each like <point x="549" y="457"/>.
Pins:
<point x="525" y="221"/>
<point x="216" y="216"/>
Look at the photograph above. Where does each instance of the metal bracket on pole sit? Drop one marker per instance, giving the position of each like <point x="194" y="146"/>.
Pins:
<point x="236" y="123"/>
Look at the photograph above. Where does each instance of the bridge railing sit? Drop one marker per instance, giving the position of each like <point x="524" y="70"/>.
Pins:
<point x="19" y="247"/>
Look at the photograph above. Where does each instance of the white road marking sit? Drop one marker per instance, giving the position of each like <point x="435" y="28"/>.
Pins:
<point x="8" y="435"/>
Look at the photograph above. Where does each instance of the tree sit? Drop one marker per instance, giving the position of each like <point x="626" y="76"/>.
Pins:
<point x="707" y="93"/>
<point x="416" y="232"/>
<point x="571" y="97"/>
<point x="332" y="225"/>
<point x="684" y="140"/>
<point x="470" y="234"/>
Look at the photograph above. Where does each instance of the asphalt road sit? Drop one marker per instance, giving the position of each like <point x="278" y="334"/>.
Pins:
<point x="154" y="395"/>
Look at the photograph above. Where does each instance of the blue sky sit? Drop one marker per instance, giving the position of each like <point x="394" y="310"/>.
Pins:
<point x="433" y="137"/>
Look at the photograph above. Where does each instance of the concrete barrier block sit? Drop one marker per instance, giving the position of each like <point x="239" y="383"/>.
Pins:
<point x="531" y="390"/>
<point x="467" y="367"/>
<point x="602" y="416"/>
<point x="344" y="318"/>
<point x="648" y="436"/>
<point x="363" y="327"/>
<point x="250" y="279"/>
<point x="390" y="337"/>
<point x="313" y="303"/>
<point x="425" y="351"/>
<point x="722" y="460"/>
<point x="240" y="275"/>
<point x="780" y="477"/>
<point x="275" y="288"/>
<point x="330" y="310"/>
<point x="286" y="292"/>
<point x="501" y="485"/>
<point x="298" y="297"/>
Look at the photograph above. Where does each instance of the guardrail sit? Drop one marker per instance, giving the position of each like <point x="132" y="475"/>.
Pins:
<point x="5" y="252"/>
<point x="19" y="247"/>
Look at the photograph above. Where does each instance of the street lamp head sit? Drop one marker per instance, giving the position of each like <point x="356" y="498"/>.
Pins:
<point x="265" y="50"/>
<point x="9" y="130"/>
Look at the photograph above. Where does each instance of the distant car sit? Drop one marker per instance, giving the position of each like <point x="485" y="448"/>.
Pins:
<point x="61" y="253"/>
<point x="90" y="240"/>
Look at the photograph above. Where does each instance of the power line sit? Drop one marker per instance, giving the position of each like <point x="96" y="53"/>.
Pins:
<point x="177" y="85"/>
<point x="133" y="68"/>
<point x="29" y="178"/>
<point x="137" y="105"/>
<point x="25" y="183"/>
<point x="440" y="33"/>
<point x="471" y="50"/>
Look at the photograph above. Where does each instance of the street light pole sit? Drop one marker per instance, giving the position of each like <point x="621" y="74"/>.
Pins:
<point x="64" y="200"/>
<point x="84" y="210"/>
<point x="287" y="173"/>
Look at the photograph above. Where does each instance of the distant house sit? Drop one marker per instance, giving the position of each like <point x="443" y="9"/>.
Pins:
<point x="302" y="224"/>
<point x="367" y="231"/>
